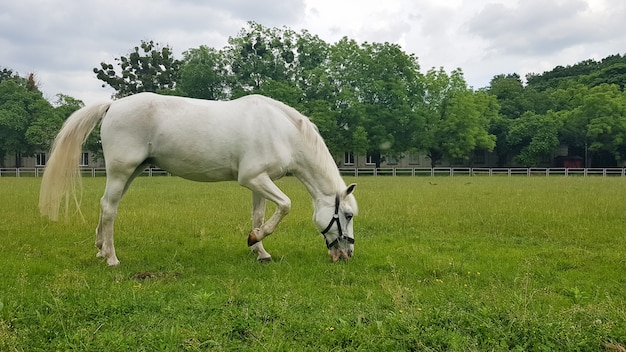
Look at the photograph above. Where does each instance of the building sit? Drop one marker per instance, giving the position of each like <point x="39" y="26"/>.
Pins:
<point x="87" y="159"/>
<point x="481" y="159"/>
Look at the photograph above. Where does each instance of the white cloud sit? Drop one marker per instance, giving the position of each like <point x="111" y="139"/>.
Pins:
<point x="534" y="27"/>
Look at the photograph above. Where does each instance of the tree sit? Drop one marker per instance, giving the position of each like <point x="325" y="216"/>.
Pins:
<point x="203" y="74"/>
<point x="333" y="86"/>
<point x="44" y="127"/>
<point x="509" y="90"/>
<point x="390" y="90"/>
<point x="259" y="55"/>
<point x="604" y="109"/>
<point x="375" y="88"/>
<point x="499" y="127"/>
<point x="24" y="115"/>
<point x="535" y="136"/>
<point x="149" y="68"/>
<point x="313" y="55"/>
<point x="469" y="117"/>
<point x="456" y="119"/>
<point x="575" y="126"/>
<point x="515" y="100"/>
<point x="13" y="119"/>
<point x="7" y="73"/>
<point x="591" y="73"/>
<point x="592" y="120"/>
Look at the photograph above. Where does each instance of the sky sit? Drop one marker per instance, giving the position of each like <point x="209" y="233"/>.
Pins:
<point x="61" y="41"/>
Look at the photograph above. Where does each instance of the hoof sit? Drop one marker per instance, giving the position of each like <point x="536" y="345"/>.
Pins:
<point x="264" y="260"/>
<point x="252" y="239"/>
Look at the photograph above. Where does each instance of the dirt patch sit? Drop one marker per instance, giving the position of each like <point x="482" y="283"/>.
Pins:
<point x="147" y="275"/>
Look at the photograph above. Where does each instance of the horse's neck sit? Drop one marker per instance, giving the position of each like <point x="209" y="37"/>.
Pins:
<point x="316" y="168"/>
<point x="321" y="183"/>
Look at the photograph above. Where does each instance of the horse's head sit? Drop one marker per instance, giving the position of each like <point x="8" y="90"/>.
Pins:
<point x="334" y="220"/>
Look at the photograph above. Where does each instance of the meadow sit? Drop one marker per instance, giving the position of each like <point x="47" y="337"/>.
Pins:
<point x="441" y="264"/>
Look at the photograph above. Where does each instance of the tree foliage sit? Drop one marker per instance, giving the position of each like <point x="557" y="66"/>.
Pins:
<point x="610" y="70"/>
<point x="365" y="98"/>
<point x="376" y="89"/>
<point x="535" y="137"/>
<point x="579" y="107"/>
<point x="258" y="56"/>
<point x="28" y="122"/>
<point x="203" y="74"/>
<point x="150" y="67"/>
<point x="456" y="118"/>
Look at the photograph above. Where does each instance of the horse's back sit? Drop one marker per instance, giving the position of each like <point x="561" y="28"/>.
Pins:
<point x="201" y="139"/>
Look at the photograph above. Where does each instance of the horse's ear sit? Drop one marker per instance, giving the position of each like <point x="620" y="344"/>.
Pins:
<point x="349" y="190"/>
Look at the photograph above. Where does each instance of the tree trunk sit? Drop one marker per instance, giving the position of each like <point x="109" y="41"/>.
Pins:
<point x="18" y="159"/>
<point x="376" y="156"/>
<point x="434" y="156"/>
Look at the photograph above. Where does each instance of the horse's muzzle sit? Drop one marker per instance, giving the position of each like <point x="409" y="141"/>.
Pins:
<point x="337" y="254"/>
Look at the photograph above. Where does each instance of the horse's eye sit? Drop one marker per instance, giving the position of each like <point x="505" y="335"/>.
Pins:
<point x="349" y="216"/>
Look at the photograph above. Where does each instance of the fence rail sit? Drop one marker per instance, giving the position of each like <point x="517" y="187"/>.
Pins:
<point x="484" y="171"/>
<point x="85" y="171"/>
<point x="409" y="171"/>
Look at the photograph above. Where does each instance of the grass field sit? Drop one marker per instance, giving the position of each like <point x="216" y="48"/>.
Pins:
<point x="441" y="264"/>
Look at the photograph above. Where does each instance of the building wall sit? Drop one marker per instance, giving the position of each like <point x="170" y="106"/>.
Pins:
<point x="481" y="159"/>
<point x="41" y="159"/>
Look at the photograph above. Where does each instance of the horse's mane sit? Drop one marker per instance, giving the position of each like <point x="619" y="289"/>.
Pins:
<point x="314" y="141"/>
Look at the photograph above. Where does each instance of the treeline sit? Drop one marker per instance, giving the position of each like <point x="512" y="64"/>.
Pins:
<point x="369" y="98"/>
<point x="28" y="122"/>
<point x="582" y="107"/>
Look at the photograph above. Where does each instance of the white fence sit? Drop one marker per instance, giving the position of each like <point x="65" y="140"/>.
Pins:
<point x="85" y="171"/>
<point x="483" y="171"/>
<point x="415" y="171"/>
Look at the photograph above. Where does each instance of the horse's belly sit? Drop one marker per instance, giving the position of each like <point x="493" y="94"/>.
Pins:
<point x="198" y="170"/>
<point x="206" y="177"/>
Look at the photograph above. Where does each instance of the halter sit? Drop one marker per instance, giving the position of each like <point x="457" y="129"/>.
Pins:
<point x="332" y="221"/>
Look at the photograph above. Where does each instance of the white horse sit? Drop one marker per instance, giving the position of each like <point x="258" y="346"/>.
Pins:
<point x="253" y="140"/>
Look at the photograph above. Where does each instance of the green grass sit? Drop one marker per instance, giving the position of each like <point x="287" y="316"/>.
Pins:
<point x="444" y="263"/>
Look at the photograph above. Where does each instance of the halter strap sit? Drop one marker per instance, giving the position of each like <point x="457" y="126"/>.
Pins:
<point x="332" y="221"/>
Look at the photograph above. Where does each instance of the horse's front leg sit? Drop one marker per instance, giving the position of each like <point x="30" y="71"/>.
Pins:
<point x="265" y="188"/>
<point x="258" y="216"/>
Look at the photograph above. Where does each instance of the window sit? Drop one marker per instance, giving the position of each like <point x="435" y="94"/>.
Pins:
<point x="84" y="159"/>
<point x="41" y="159"/>
<point x="391" y="160"/>
<point x="369" y="159"/>
<point x="348" y="158"/>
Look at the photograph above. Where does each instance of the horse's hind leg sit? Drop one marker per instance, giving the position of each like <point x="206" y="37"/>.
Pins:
<point x="258" y="216"/>
<point x="108" y="210"/>
<point x="116" y="185"/>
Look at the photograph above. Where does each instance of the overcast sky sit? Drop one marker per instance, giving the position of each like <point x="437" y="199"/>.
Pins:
<point x="61" y="41"/>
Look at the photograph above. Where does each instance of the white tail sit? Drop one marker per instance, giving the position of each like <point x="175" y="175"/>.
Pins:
<point x="61" y="178"/>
